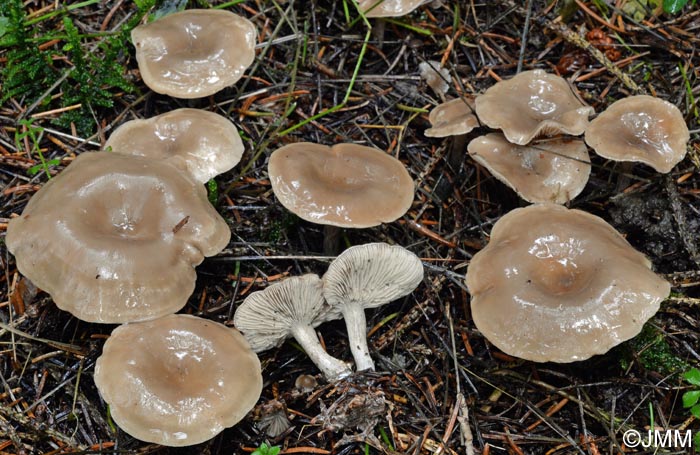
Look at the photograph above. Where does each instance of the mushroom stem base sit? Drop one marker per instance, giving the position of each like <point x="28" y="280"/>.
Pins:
<point x="332" y="368"/>
<point x="356" y="323"/>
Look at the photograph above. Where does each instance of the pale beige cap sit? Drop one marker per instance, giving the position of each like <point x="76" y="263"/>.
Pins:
<point x="640" y="128"/>
<point x="290" y="308"/>
<point x="389" y="8"/>
<point x="346" y="185"/>
<point x="552" y="170"/>
<point x="560" y="285"/>
<point x="532" y="104"/>
<point x="452" y="118"/>
<point x="204" y="143"/>
<point x="178" y="380"/>
<point x="368" y="276"/>
<point x="115" y="238"/>
<point x="194" y="53"/>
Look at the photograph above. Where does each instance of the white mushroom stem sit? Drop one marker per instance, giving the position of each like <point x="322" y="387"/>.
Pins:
<point x="356" y="325"/>
<point x="332" y="368"/>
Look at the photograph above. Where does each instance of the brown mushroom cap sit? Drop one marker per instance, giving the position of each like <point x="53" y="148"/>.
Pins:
<point x="205" y="143"/>
<point x="553" y="170"/>
<point x="640" y="128"/>
<point x="452" y="118"/>
<point x="560" y="285"/>
<point x="346" y="185"/>
<point x="531" y="104"/>
<point x="389" y="8"/>
<point x="194" y="53"/>
<point x="115" y="238"/>
<point x="178" y="380"/>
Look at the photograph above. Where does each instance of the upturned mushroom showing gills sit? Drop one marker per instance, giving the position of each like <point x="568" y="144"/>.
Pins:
<point x="552" y="170"/>
<point x="292" y="307"/>
<point x="452" y="118"/>
<point x="368" y="276"/>
<point x="532" y="104"/>
<point x="346" y="185"/>
<point x="178" y="380"/>
<point x="640" y="128"/>
<point x="205" y="144"/>
<point x="115" y="238"/>
<point x="389" y="8"/>
<point x="194" y="53"/>
<point x="560" y="285"/>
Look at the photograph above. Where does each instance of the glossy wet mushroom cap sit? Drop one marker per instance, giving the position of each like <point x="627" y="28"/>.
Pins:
<point x="194" y="53"/>
<point x="346" y="185"/>
<point x="204" y="143"/>
<point x="115" y="238"/>
<point x="389" y="8"/>
<point x="552" y="170"/>
<point x="532" y="104"/>
<point x="178" y="380"/>
<point x="560" y="285"/>
<point x="640" y="128"/>
<point x="452" y="118"/>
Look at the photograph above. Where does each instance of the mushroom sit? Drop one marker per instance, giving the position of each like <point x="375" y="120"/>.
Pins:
<point x="532" y="104"/>
<point x="389" y="8"/>
<point x="293" y="307"/>
<point x="435" y="76"/>
<point x="204" y="143"/>
<point x="452" y="118"/>
<point x="560" y="285"/>
<point x="640" y="128"/>
<point x="178" y="380"/>
<point x="194" y="53"/>
<point x="553" y="170"/>
<point x="115" y="238"/>
<point x="368" y="276"/>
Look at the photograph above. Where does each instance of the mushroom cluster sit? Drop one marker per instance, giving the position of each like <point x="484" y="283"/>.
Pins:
<point x="363" y="276"/>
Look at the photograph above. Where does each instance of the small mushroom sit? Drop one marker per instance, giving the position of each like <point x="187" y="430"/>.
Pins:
<point x="435" y="76"/>
<point x="194" y="53"/>
<point x="532" y="104"/>
<point x="115" y="238"/>
<point x="178" y="380"/>
<point x="293" y="307"/>
<point x="560" y="285"/>
<point x="554" y="170"/>
<point x="346" y="185"/>
<point x="640" y="128"/>
<point x="452" y="118"/>
<point x="305" y="383"/>
<point x="204" y="143"/>
<point x="368" y="276"/>
<point x="389" y="8"/>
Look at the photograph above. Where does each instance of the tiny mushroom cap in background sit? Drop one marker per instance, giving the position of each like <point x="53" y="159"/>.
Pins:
<point x="560" y="285"/>
<point x="368" y="276"/>
<point x="194" y="53"/>
<point x="346" y="185"/>
<point x="204" y="143"/>
<point x="305" y="383"/>
<point x="640" y="128"/>
<point x="532" y="104"/>
<point x="389" y="8"/>
<point x="178" y="380"/>
<point x="292" y="307"/>
<point x="115" y="238"/>
<point x="552" y="170"/>
<point x="452" y="118"/>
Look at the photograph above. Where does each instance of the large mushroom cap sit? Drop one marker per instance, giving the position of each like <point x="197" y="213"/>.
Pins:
<point x="194" y="53"/>
<point x="452" y="118"/>
<point x="640" y="128"/>
<point x="205" y="143"/>
<point x="178" y="380"/>
<point x="389" y="8"/>
<point x="346" y="185"/>
<point x="115" y="238"/>
<point x="554" y="170"/>
<point x="560" y="285"/>
<point x="531" y="104"/>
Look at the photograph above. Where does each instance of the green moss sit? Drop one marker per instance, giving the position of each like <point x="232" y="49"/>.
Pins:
<point x="653" y="352"/>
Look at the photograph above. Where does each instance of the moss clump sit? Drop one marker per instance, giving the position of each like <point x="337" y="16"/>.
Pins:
<point x="653" y="352"/>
